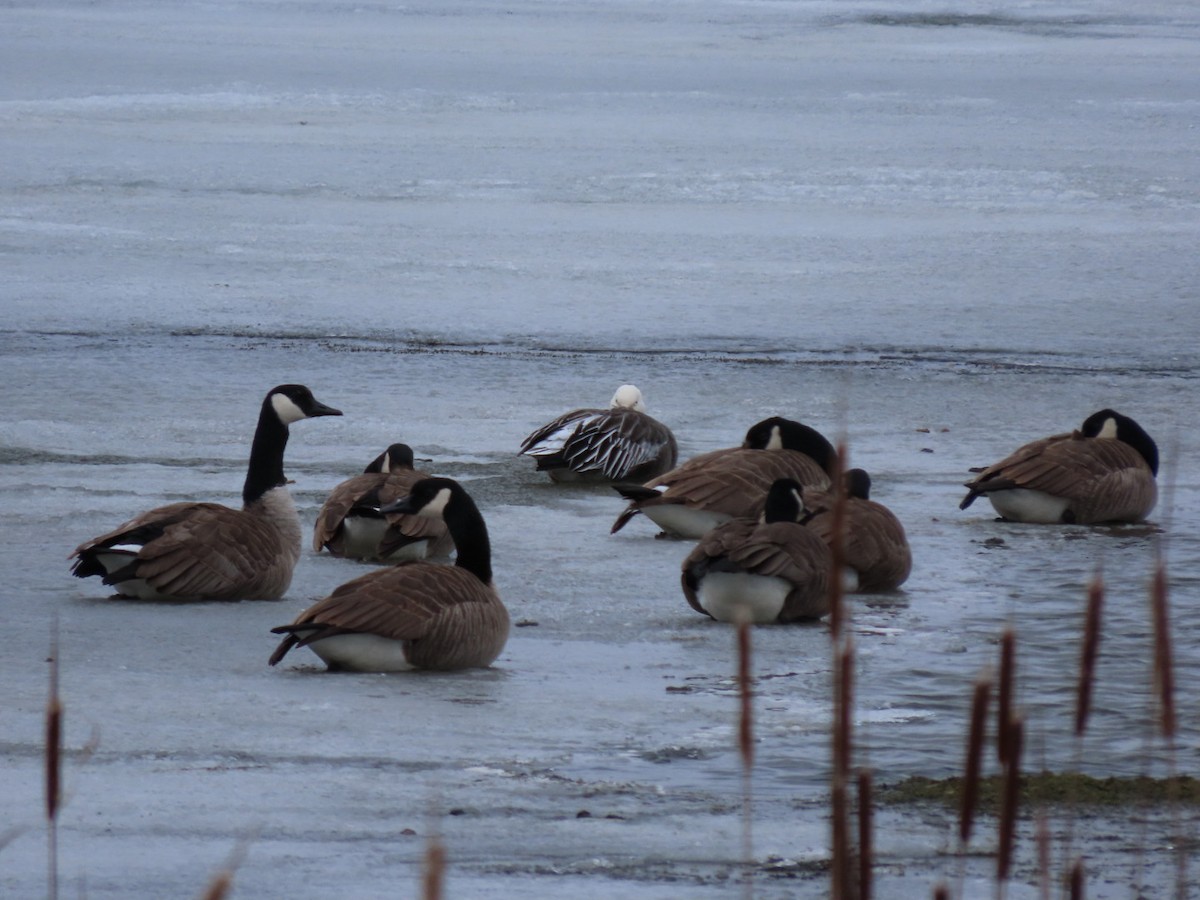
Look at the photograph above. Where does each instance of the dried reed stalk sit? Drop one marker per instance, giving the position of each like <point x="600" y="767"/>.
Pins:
<point x="941" y="892"/>
<point x="843" y="882"/>
<point x="434" y="872"/>
<point x="746" y="751"/>
<point x="980" y="699"/>
<point x="1164" y="676"/>
<point x="837" y="546"/>
<point x="866" y="845"/>
<point x="220" y="885"/>
<point x="1043" y="855"/>
<point x="1090" y="652"/>
<point x="1011" y="799"/>
<point x="53" y="754"/>
<point x="1004" y="709"/>
<point x="1075" y="881"/>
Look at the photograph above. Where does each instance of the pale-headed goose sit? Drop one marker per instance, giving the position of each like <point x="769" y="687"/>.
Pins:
<point x="350" y="523"/>
<point x="1103" y="472"/>
<point x="206" y="551"/>
<point x="620" y="443"/>
<point x="724" y="484"/>
<point x="874" y="546"/>
<point x="415" y="614"/>
<point x="771" y="569"/>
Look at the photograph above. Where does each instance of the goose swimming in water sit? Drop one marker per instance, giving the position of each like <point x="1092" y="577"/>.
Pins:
<point x="875" y="547"/>
<point x="415" y="614"/>
<point x="1103" y="472"/>
<point x="206" y="551"/>
<point x="721" y="485"/>
<point x="620" y="443"/>
<point x="770" y="569"/>
<point x="351" y="525"/>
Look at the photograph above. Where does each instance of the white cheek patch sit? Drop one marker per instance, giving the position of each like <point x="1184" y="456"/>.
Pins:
<point x="776" y="440"/>
<point x="286" y="409"/>
<point x="437" y="506"/>
<point x="1109" y="430"/>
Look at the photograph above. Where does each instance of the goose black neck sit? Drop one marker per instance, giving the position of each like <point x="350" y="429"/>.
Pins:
<point x="266" y="455"/>
<point x="469" y="531"/>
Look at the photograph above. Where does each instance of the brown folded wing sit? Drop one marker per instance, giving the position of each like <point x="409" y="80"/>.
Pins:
<point x="1104" y="479"/>
<point x="772" y="549"/>
<point x="204" y="551"/>
<point x="876" y="546"/>
<point x="735" y="482"/>
<point x="377" y="489"/>
<point x="449" y="618"/>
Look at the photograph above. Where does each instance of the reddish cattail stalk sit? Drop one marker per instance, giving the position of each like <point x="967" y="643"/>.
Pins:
<point x="221" y="884"/>
<point x="842" y="751"/>
<point x="1011" y="799"/>
<point x="434" y="872"/>
<point x="1043" y="855"/>
<point x="866" y="846"/>
<point x="941" y="892"/>
<point x="1164" y="675"/>
<point x="980" y="699"/>
<point x="1075" y="881"/>
<point x="1004" y="709"/>
<point x="746" y="750"/>
<point x="837" y="546"/>
<point x="53" y="753"/>
<point x="1091" y="649"/>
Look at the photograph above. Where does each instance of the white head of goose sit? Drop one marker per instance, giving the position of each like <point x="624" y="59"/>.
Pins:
<point x="415" y="614"/>
<point x="351" y="525"/>
<point x="206" y="551"/>
<point x="715" y="487"/>
<point x="1104" y="472"/>
<point x="620" y="443"/>
<point x="875" y="547"/>
<point x="771" y="569"/>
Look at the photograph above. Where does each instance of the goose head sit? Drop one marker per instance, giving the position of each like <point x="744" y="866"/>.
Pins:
<point x="778" y="433"/>
<point x="628" y="397"/>
<point x="857" y="483"/>
<point x="429" y="497"/>
<point x="785" y="502"/>
<point x="1111" y="425"/>
<point x="396" y="458"/>
<point x="293" y="402"/>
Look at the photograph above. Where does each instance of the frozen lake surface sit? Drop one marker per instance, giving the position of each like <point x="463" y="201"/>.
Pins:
<point x="940" y="230"/>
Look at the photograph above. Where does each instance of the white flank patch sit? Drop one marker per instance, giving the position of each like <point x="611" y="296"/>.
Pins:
<point x="740" y="597"/>
<point x="286" y="409"/>
<point x="674" y="518"/>
<point x="362" y="653"/>
<point x="1023" y="505"/>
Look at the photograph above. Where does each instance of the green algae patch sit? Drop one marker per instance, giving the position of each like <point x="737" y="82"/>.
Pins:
<point x="1050" y="789"/>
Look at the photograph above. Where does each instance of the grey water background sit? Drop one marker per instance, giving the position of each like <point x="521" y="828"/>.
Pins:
<point x="936" y="229"/>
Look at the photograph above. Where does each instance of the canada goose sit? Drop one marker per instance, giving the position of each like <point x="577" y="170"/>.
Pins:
<point x="415" y="614"/>
<point x="206" y="551"/>
<point x="771" y="569"/>
<point x="875" y="545"/>
<point x="350" y="524"/>
<point x="614" y="444"/>
<point x="1104" y="472"/>
<point x="724" y="484"/>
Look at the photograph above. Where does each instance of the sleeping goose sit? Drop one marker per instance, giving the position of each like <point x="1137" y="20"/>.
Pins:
<point x="770" y="569"/>
<point x="1104" y="472"/>
<point x="350" y="524"/>
<point x="597" y="445"/>
<point x="415" y="614"/>
<point x="875" y="547"/>
<point x="724" y="484"/>
<point x="206" y="551"/>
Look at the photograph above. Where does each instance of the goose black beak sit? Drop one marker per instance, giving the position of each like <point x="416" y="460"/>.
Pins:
<point x="320" y="409"/>
<point x="403" y="505"/>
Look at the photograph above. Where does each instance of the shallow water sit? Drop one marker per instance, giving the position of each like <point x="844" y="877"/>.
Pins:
<point x="937" y="239"/>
